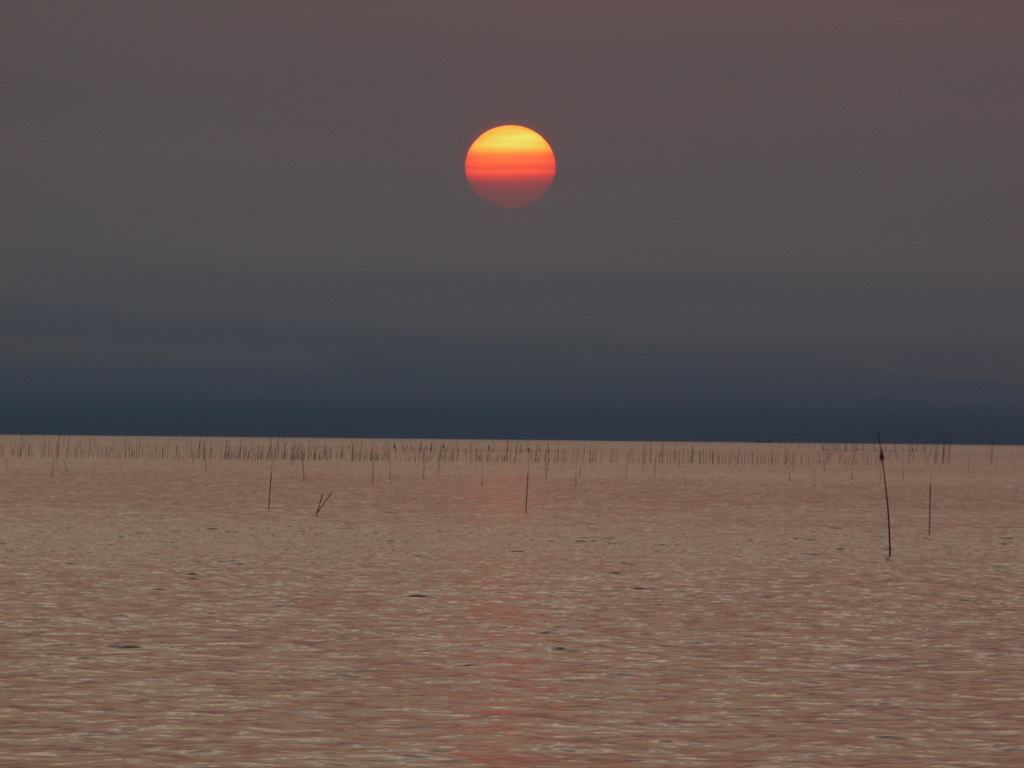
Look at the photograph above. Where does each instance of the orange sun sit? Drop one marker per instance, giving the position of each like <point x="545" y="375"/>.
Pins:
<point x="510" y="166"/>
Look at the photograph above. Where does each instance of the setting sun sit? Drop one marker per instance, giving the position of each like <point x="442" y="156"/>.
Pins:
<point x="510" y="166"/>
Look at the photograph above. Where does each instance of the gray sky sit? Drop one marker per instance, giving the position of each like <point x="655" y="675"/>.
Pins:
<point x="785" y="220"/>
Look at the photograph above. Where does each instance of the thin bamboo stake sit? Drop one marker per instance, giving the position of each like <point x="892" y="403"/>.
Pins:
<point x="526" y="499"/>
<point x="271" y="486"/>
<point x="929" y="509"/>
<point x="56" y="453"/>
<point x="320" y="504"/>
<point x="885" y="484"/>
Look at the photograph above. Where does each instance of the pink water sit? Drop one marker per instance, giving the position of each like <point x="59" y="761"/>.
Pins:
<point x="740" y="613"/>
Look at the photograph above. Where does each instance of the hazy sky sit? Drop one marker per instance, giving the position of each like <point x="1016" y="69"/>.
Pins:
<point x="771" y="220"/>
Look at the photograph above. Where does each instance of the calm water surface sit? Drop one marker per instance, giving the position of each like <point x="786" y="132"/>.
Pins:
<point x="736" y="613"/>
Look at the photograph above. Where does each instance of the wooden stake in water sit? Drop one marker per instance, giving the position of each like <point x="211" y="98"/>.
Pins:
<point x="270" y="488"/>
<point x="56" y="453"/>
<point x="320" y="504"/>
<point x="929" y="509"/>
<point x="885" y="484"/>
<point x="526" y="499"/>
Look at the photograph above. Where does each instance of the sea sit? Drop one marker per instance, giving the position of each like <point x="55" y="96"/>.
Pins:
<point x="298" y="603"/>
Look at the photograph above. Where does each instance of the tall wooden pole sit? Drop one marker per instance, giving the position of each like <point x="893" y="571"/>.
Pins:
<point x="526" y="499"/>
<point x="885" y="484"/>
<point x="929" y="509"/>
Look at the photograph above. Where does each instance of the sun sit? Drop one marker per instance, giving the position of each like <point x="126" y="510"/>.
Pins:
<point x="510" y="166"/>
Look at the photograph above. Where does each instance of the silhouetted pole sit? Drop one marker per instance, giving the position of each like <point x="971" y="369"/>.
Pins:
<point x="320" y="504"/>
<point x="526" y="499"/>
<point x="929" y="509"/>
<point x="270" y="487"/>
<point x="885" y="485"/>
<point x="56" y="453"/>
